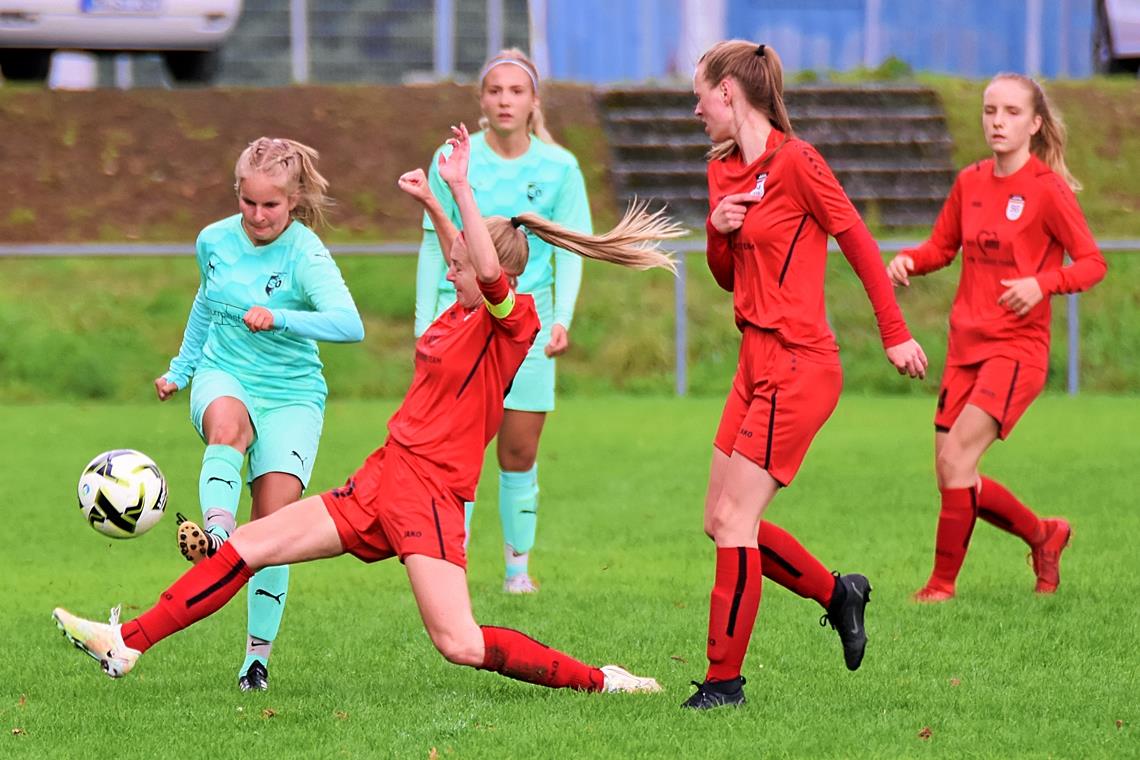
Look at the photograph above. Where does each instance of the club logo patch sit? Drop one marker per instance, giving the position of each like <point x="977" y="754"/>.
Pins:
<point x="1015" y="207"/>
<point x="758" y="191"/>
<point x="275" y="281"/>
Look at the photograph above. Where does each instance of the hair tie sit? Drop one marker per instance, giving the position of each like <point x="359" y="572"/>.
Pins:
<point x="516" y="222"/>
<point x="760" y="51"/>
<point x="511" y="62"/>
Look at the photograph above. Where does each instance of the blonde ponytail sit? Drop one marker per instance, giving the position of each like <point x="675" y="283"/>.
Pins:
<point x="634" y="242"/>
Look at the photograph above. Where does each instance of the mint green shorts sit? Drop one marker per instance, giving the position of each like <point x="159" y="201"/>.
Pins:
<point x="285" y="434"/>
<point x="533" y="388"/>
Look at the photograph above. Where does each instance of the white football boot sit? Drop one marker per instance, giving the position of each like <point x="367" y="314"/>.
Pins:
<point x="520" y="584"/>
<point x="619" y="679"/>
<point x="102" y="641"/>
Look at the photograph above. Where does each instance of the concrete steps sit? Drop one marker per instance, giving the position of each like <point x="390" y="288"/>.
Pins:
<point x="889" y="147"/>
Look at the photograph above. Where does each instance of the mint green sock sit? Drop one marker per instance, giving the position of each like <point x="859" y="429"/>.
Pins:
<point x="219" y="488"/>
<point x="265" y="605"/>
<point x="518" y="511"/>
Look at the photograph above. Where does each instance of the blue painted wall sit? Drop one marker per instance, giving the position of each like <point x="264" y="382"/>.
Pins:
<point x="622" y="40"/>
<point x="613" y="40"/>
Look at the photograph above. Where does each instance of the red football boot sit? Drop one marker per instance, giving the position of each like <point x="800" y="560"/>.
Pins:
<point x="933" y="592"/>
<point x="1047" y="555"/>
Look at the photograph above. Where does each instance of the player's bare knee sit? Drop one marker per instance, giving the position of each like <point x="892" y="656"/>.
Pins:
<point x="724" y="523"/>
<point x="229" y="433"/>
<point x="458" y="648"/>
<point x="247" y="542"/>
<point x="517" y="458"/>
<point x="952" y="465"/>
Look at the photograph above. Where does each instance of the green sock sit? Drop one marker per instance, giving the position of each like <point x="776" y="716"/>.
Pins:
<point x="518" y="511"/>
<point x="219" y="488"/>
<point x="266" y="604"/>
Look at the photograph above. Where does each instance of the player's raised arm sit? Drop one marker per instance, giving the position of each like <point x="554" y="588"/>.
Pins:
<point x="453" y="170"/>
<point x="415" y="184"/>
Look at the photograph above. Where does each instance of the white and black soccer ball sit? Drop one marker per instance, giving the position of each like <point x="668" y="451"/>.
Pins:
<point x="122" y="493"/>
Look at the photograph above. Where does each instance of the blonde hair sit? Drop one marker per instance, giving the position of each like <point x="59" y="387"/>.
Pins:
<point x="296" y="164"/>
<point x="633" y="243"/>
<point x="759" y="73"/>
<point x="535" y="122"/>
<point x="1049" y="142"/>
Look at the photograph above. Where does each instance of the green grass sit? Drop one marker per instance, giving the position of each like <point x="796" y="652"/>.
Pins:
<point x="105" y="328"/>
<point x="626" y="573"/>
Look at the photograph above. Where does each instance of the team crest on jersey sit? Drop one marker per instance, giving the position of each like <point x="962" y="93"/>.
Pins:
<point x="274" y="282"/>
<point x="1014" y="207"/>
<point x="758" y="191"/>
<point x="533" y="191"/>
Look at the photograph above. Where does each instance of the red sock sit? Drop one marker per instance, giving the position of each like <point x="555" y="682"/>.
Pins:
<point x="955" y="525"/>
<point x="997" y="506"/>
<point x="788" y="563"/>
<point x="201" y="591"/>
<point x="516" y="655"/>
<point x="732" y="609"/>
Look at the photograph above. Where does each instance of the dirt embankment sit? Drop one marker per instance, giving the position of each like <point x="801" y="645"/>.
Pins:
<point x="157" y="165"/>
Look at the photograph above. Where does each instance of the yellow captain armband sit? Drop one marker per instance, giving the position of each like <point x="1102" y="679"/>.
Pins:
<point x="504" y="309"/>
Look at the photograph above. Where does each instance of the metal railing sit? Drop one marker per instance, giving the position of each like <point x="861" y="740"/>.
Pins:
<point x="680" y="337"/>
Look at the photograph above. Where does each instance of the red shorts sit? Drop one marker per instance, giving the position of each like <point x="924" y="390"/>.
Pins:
<point x="1002" y="388"/>
<point x="394" y="506"/>
<point x="779" y="400"/>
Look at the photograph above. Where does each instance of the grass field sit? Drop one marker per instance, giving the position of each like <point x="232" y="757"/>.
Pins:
<point x="626" y="572"/>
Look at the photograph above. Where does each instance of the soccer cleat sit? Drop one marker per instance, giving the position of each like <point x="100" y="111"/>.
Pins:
<point x="256" y="678"/>
<point x="712" y="694"/>
<point x="933" y="593"/>
<point x="845" y="614"/>
<point x="1046" y="556"/>
<point x="102" y="641"/>
<point x="195" y="543"/>
<point x="520" y="584"/>
<point x="619" y="679"/>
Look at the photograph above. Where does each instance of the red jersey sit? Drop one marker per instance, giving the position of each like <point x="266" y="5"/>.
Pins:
<point x="465" y="363"/>
<point x="775" y="264"/>
<point x="1007" y="228"/>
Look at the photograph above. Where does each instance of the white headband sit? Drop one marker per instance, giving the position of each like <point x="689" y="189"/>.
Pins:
<point x="520" y="64"/>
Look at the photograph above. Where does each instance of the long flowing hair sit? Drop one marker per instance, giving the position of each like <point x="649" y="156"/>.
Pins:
<point x="634" y="243"/>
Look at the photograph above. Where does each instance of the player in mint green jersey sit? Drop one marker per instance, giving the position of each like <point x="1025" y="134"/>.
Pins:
<point x="516" y="168"/>
<point x="269" y="290"/>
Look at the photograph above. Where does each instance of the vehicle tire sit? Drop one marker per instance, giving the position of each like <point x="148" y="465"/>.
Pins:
<point x="25" y="64"/>
<point x="200" y="66"/>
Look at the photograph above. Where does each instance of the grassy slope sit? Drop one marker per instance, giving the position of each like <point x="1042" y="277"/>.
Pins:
<point x="626" y="571"/>
<point x="104" y="328"/>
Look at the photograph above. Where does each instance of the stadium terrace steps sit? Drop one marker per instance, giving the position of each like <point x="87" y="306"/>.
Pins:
<point x="888" y="145"/>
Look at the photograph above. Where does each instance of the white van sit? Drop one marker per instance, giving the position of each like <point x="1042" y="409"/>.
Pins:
<point x="1116" y="36"/>
<point x="188" y="33"/>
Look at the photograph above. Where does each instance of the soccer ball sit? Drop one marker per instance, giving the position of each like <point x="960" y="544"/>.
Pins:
<point x="122" y="493"/>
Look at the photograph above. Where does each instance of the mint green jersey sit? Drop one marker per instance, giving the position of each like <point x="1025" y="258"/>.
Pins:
<point x="295" y="278"/>
<point x="546" y="181"/>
